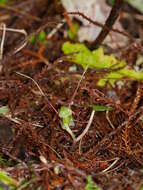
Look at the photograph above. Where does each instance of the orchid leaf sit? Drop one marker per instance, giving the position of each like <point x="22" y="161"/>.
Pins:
<point x="67" y="120"/>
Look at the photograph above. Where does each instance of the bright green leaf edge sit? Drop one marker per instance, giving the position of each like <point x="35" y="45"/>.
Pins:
<point x="3" y="2"/>
<point x="7" y="179"/>
<point x="91" y="185"/>
<point x="65" y="114"/>
<point x="100" y="108"/>
<point x="117" y="70"/>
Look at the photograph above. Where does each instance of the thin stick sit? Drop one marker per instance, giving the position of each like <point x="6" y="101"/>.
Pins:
<point x="5" y="151"/>
<point x="108" y="119"/>
<point x="100" y="24"/>
<point x="41" y="91"/>
<point x="22" y="31"/>
<point x="2" y="41"/>
<point x="54" y="31"/>
<point x="75" y="92"/>
<point x="20" y="12"/>
<point x="5" y="29"/>
<point x="87" y="127"/>
<point x="52" y="150"/>
<point x="107" y="169"/>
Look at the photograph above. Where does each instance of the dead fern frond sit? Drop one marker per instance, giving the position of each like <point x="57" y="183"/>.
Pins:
<point x="128" y="126"/>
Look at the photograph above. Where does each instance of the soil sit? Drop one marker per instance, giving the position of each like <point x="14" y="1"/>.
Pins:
<point x="34" y="147"/>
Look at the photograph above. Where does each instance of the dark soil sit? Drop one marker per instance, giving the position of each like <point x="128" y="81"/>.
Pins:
<point x="32" y="142"/>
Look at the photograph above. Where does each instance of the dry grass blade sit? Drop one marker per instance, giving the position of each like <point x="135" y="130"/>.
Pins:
<point x="41" y="91"/>
<point x="87" y="127"/>
<point x="3" y="26"/>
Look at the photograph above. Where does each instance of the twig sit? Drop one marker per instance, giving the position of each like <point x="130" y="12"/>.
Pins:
<point x="5" y="151"/>
<point x="4" y="17"/>
<point x="133" y="119"/>
<point x="107" y="169"/>
<point x="25" y="41"/>
<point x="59" y="25"/>
<point x="87" y="127"/>
<point x="52" y="150"/>
<point x="114" y="13"/>
<point x="75" y="92"/>
<point x="22" y="31"/>
<point x="2" y="40"/>
<point x="5" y="29"/>
<point x="41" y="91"/>
<point x="100" y="24"/>
<point x="20" y="12"/>
<point x="108" y="119"/>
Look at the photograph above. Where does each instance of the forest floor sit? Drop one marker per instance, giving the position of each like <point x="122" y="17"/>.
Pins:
<point x="35" y="83"/>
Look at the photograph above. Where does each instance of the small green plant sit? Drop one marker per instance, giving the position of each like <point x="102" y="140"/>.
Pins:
<point x="7" y="180"/>
<point x="91" y="185"/>
<point x="81" y="55"/>
<point x="65" y="114"/>
<point x="117" y="70"/>
<point x="101" y="108"/>
<point x="72" y="33"/>
<point x="40" y="38"/>
<point x="3" y="2"/>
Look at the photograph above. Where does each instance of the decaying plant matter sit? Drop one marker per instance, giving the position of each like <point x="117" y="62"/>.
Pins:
<point x="60" y="129"/>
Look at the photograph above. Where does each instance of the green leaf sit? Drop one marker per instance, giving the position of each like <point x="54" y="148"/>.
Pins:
<point x="69" y="48"/>
<point x="7" y="179"/>
<point x="117" y="70"/>
<point x="91" y="185"/>
<point x="99" y="108"/>
<point x="141" y="188"/>
<point x="112" y="77"/>
<point x="80" y="54"/>
<point x="72" y="33"/>
<point x="32" y="39"/>
<point x="4" y="110"/>
<point x="42" y="36"/>
<point x="65" y="114"/>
